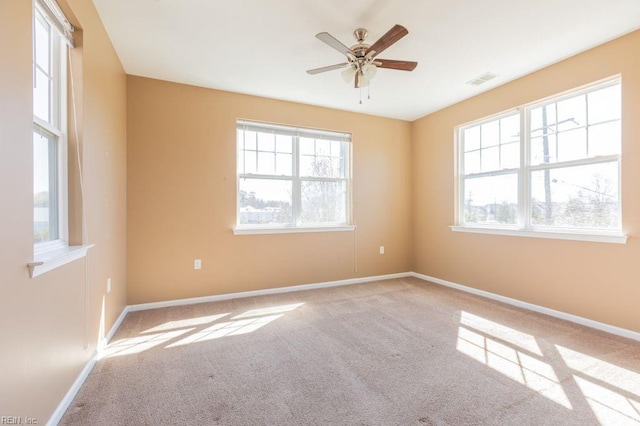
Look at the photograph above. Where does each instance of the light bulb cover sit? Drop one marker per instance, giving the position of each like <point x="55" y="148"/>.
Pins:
<point x="363" y="80"/>
<point x="370" y="70"/>
<point x="348" y="74"/>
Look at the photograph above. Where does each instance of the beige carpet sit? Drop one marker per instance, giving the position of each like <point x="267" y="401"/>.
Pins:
<point x="397" y="352"/>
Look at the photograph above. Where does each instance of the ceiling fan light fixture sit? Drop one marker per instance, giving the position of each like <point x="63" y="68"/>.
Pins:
<point x="363" y="80"/>
<point x="370" y="70"/>
<point x="348" y="74"/>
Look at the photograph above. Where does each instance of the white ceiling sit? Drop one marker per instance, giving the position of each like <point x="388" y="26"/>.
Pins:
<point x="264" y="47"/>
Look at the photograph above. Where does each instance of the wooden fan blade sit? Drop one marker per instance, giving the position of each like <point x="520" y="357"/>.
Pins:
<point x="397" y="65"/>
<point x="393" y="35"/>
<point x="329" y="68"/>
<point x="333" y="42"/>
<point x="356" y="83"/>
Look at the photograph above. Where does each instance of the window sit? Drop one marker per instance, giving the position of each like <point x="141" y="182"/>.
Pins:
<point x="292" y="178"/>
<point x="552" y="167"/>
<point x="49" y="139"/>
<point x="52" y="36"/>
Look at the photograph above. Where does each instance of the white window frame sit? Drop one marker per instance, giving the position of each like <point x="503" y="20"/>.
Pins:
<point x="295" y="226"/>
<point x="50" y="255"/>
<point x="523" y="226"/>
<point x="56" y="128"/>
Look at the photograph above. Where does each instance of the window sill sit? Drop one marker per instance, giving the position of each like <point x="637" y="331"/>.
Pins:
<point x="47" y="261"/>
<point x="599" y="237"/>
<point x="292" y="230"/>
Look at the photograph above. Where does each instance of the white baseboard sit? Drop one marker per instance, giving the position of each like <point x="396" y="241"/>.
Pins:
<point x="216" y="298"/>
<point x="71" y="393"/>
<point x="116" y="325"/>
<point x="77" y="384"/>
<point x="618" y="331"/>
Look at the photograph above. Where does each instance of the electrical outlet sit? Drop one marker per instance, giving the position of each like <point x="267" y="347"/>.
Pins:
<point x="108" y="285"/>
<point x="381" y="249"/>
<point x="197" y="264"/>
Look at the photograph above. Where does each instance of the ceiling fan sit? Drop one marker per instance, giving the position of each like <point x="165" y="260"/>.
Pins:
<point x="362" y="59"/>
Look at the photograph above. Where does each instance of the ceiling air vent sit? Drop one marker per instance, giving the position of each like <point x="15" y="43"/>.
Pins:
<point x="482" y="79"/>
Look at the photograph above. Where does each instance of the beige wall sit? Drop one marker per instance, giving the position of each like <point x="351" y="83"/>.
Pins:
<point x="594" y="280"/>
<point x="181" y="197"/>
<point x="43" y="320"/>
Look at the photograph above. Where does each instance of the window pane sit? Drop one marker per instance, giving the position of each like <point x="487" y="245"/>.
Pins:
<point x="472" y="139"/>
<point x="307" y="146"/>
<point x="604" y="139"/>
<point x="510" y="155"/>
<point x="306" y="164"/>
<point x="323" y="147"/>
<point x="543" y="120"/>
<point x="316" y="166"/>
<point x="266" y="142"/>
<point x="490" y="134"/>
<point x="265" y="201"/>
<point x="339" y="170"/>
<point x="543" y="150"/>
<point x="324" y="166"/>
<point x="323" y="202"/>
<point x="572" y="113"/>
<point x="42" y="43"/>
<point x="336" y="149"/>
<point x="266" y="163"/>
<point x="472" y="162"/>
<point x="250" y="162"/>
<point x="250" y="140"/>
<point x="490" y="159"/>
<point x="45" y="189"/>
<point x="605" y="104"/>
<point x="240" y="164"/>
<point x="284" y="143"/>
<point x="284" y="164"/>
<point x="576" y="197"/>
<point x="42" y="96"/>
<point x="510" y="128"/>
<point x="491" y="200"/>
<point x="572" y="145"/>
<point x="340" y="159"/>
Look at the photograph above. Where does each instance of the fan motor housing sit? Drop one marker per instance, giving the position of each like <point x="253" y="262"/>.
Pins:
<point x="360" y="49"/>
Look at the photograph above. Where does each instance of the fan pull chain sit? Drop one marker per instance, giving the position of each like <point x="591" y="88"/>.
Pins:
<point x="369" y="91"/>
<point x="360" y="90"/>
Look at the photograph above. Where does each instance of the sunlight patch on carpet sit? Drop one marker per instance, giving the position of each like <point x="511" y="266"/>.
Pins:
<point x="223" y="329"/>
<point x="610" y="407"/>
<point x="612" y="374"/>
<point x="190" y="322"/>
<point x="502" y="332"/>
<point x="509" y="361"/>
<point x="268" y="310"/>
<point x="134" y="345"/>
<point x="613" y="392"/>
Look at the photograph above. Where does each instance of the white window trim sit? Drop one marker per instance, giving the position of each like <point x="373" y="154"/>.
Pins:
<point x="296" y="226"/>
<point x="292" y="229"/>
<point x="57" y="128"/>
<point x="598" y="237"/>
<point x="52" y="259"/>
<point x="50" y="255"/>
<point x="524" y="228"/>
